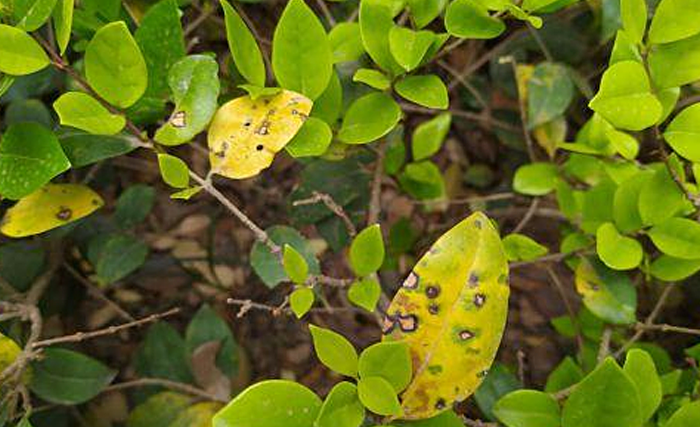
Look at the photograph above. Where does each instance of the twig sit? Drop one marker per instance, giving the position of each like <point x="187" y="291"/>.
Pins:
<point x="528" y="215"/>
<point x="569" y="307"/>
<point x="376" y="191"/>
<point x="97" y="292"/>
<point x="604" y="349"/>
<point x="664" y="327"/>
<point x="162" y="382"/>
<point x="245" y="305"/>
<point x="111" y="330"/>
<point x="334" y="207"/>
<point x="326" y="12"/>
<point x="481" y="118"/>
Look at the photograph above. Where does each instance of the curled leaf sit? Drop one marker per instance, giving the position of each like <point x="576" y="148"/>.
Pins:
<point x="451" y="311"/>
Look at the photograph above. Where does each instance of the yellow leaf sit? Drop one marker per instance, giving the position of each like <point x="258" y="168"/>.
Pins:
<point x="197" y="415"/>
<point x="522" y="77"/>
<point x="451" y="311"/>
<point x="49" y="207"/>
<point x="246" y="133"/>
<point x="9" y="350"/>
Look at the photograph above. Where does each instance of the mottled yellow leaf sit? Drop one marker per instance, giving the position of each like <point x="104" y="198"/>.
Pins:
<point x="9" y="350"/>
<point x="49" y="207"/>
<point x="451" y="311"/>
<point x="246" y="133"/>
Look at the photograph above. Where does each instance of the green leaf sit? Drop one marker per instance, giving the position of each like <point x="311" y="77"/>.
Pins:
<point x="162" y="42"/>
<point x="159" y="410"/>
<point x="244" y="49"/>
<point x="671" y="269"/>
<point x="270" y="403"/>
<point x="372" y="78"/>
<point x="21" y="263"/>
<point x="527" y="408"/>
<point x="625" y="98"/>
<point x="660" y="198"/>
<point x="605" y="398"/>
<point x="549" y="93"/>
<point x="301" y="55"/>
<point x="328" y="106"/>
<point x="163" y="354"/>
<point x="468" y="19"/>
<point x="376" y="21"/>
<point x="535" y="179"/>
<point x="342" y="407"/>
<point x="367" y="251"/>
<point x="30" y="156"/>
<point x="640" y="368"/>
<point x="267" y="265"/>
<point x="634" y="18"/>
<point x="424" y="12"/>
<point x="423" y="180"/>
<point x="683" y="132"/>
<point x="63" y="23"/>
<point x="194" y="83"/>
<point x="427" y="90"/>
<point x="365" y="293"/>
<point x="674" y="20"/>
<point x="687" y="415"/>
<point x="65" y="377"/>
<point x="313" y="139"/>
<point x="334" y="351"/>
<point x="295" y="265"/>
<point x="498" y="382"/>
<point x="388" y="360"/>
<point x="30" y="15"/>
<point x="346" y="42"/>
<point x="566" y="374"/>
<point x="617" y="251"/>
<point x="174" y="171"/>
<point x="519" y="247"/>
<point x="378" y="396"/>
<point x="20" y="54"/>
<point x="675" y="64"/>
<point x="134" y="205"/>
<point x="301" y="301"/>
<point x="429" y="136"/>
<point x="624" y="143"/>
<point x="369" y="118"/>
<point x="207" y="326"/>
<point x="83" y="149"/>
<point x="677" y="237"/>
<point x="114" y="65"/>
<point x="117" y="256"/>
<point x="608" y="294"/>
<point x="409" y="47"/>
<point x="82" y="111"/>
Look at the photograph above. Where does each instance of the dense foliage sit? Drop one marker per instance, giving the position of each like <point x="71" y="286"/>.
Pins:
<point x="367" y="151"/>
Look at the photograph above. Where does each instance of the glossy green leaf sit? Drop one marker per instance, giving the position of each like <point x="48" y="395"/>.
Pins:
<point x="388" y="360"/>
<point x="367" y="251"/>
<point x="346" y="42"/>
<point x="605" y="398"/>
<point x="313" y="139"/>
<point x="372" y="78"/>
<point x="369" y="118"/>
<point x="671" y="269"/>
<point x="174" y="171"/>
<point x="634" y="18"/>
<point x="527" y="408"/>
<point x="677" y="237"/>
<point x="675" y="64"/>
<point x="301" y="301"/>
<point x="342" y="407"/>
<point x="626" y="202"/>
<point x="426" y="90"/>
<point x="424" y="12"/>
<point x="294" y="265"/>
<point x="639" y="367"/>
<point x="566" y="374"/>
<point x="82" y="111"/>
<point x="30" y="156"/>
<point x="683" y="132"/>
<point x="429" y="136"/>
<point x="270" y="403"/>
<point x="365" y="293"/>
<point x="519" y="247"/>
<point x="468" y="19"/>
<point x="20" y="54"/>
<point x="63" y="23"/>
<point x="329" y="105"/>
<point x="30" y="15"/>
<point x="376" y="21"/>
<point x="687" y="415"/>
<point x="617" y="251"/>
<point x="674" y="20"/>
<point x="423" y="180"/>
<point x="68" y="378"/>
<point x="83" y="149"/>
<point x="609" y="294"/>
<point x="334" y="351"/>
<point x="267" y="265"/>
<point x="244" y="49"/>
<point x="660" y="198"/>
<point x="378" y="396"/>
<point x="625" y="98"/>
<point x="194" y="83"/>
<point x="535" y="179"/>
<point x="409" y="47"/>
<point x="550" y="90"/>
<point x="301" y="54"/>
<point x="114" y="65"/>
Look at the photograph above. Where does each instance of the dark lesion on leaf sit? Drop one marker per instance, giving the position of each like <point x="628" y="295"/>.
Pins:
<point x="432" y="291"/>
<point x="64" y="213"/>
<point x="179" y="119"/>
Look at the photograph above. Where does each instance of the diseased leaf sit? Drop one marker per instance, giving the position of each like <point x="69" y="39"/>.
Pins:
<point x="245" y="134"/>
<point x="451" y="311"/>
<point x="49" y="207"/>
<point x="609" y="294"/>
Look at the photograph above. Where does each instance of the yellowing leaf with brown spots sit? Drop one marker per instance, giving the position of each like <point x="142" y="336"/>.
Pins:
<point x="49" y="207"/>
<point x="246" y="133"/>
<point x="451" y="311"/>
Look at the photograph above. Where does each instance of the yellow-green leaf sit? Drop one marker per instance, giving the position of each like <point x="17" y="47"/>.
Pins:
<point x="246" y="134"/>
<point x="451" y="311"/>
<point x="9" y="350"/>
<point x="49" y="207"/>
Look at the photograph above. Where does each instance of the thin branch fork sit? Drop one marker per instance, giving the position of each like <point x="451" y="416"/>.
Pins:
<point x="327" y="200"/>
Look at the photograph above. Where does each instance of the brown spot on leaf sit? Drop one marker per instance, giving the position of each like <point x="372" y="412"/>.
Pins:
<point x="479" y="300"/>
<point x="64" y="213"/>
<point x="411" y="281"/>
<point x="432" y="291"/>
